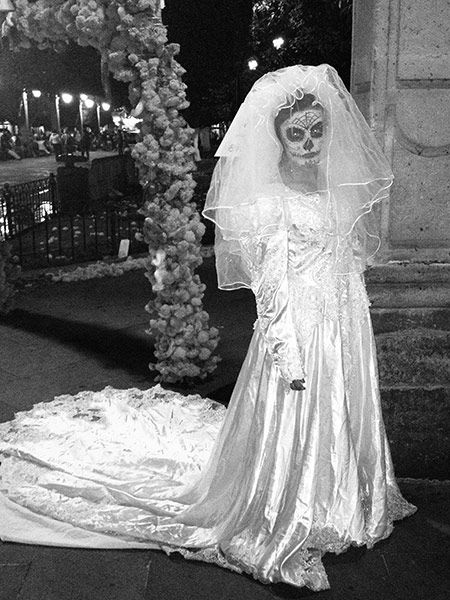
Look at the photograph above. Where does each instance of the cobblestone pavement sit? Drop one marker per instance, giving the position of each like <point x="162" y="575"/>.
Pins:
<point x="28" y="169"/>
<point x="67" y="337"/>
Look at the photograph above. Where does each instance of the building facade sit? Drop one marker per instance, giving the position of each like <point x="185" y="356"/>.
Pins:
<point x="401" y="82"/>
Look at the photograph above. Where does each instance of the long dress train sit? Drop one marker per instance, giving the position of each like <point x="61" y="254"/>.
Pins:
<point x="268" y="485"/>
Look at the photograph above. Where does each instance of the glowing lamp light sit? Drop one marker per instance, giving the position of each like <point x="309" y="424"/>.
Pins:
<point x="66" y="98"/>
<point x="278" y="42"/>
<point x="252" y="64"/>
<point x="83" y="97"/>
<point x="89" y="103"/>
<point x="36" y="93"/>
<point x="106" y="106"/>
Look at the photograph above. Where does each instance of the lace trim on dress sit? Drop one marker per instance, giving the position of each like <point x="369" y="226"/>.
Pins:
<point x="327" y="538"/>
<point x="308" y="571"/>
<point x="211" y="554"/>
<point x="82" y="458"/>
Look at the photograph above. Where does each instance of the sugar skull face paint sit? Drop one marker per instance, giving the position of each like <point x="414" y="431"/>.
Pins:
<point x="302" y="136"/>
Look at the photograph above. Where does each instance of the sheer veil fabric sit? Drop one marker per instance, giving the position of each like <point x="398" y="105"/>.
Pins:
<point x="281" y="476"/>
<point x="245" y="199"/>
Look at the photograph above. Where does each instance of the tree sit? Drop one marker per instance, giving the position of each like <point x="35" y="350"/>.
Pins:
<point x="315" y="32"/>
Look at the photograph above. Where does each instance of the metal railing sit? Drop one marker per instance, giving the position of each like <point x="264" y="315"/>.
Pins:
<point x="45" y="232"/>
<point x="60" y="239"/>
<point x="25" y="204"/>
<point x="42" y="234"/>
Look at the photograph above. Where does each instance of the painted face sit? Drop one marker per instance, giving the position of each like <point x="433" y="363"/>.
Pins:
<point x="302" y="136"/>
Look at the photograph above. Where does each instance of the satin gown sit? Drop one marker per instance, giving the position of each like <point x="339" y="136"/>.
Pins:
<point x="266" y="486"/>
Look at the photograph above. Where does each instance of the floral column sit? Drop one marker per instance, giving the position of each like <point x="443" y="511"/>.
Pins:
<point x="132" y="40"/>
<point x="184" y="341"/>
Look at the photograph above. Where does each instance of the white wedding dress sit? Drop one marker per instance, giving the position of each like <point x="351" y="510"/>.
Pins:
<point x="266" y="486"/>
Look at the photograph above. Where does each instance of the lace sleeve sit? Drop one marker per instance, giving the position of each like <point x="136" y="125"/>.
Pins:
<point x="267" y="262"/>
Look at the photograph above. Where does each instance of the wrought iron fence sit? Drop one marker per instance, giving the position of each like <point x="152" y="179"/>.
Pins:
<point x="44" y="235"/>
<point x="60" y="239"/>
<point x="43" y="232"/>
<point x="26" y="204"/>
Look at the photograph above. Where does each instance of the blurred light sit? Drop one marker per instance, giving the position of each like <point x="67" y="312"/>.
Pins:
<point x="66" y="98"/>
<point x="278" y="42"/>
<point x="6" y="6"/>
<point x="106" y="105"/>
<point x="36" y="93"/>
<point x="252" y="64"/>
<point x="89" y="103"/>
<point x="83" y="97"/>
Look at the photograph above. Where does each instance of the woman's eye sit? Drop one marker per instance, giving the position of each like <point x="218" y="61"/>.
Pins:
<point x="295" y="134"/>
<point x="317" y="130"/>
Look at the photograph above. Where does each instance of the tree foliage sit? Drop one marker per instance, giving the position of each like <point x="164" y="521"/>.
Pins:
<point x="315" y="32"/>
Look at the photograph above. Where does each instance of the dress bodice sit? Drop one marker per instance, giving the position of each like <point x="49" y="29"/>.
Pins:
<point x="304" y="273"/>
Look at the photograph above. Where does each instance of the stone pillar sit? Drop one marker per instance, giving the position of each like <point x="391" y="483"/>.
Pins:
<point x="401" y="82"/>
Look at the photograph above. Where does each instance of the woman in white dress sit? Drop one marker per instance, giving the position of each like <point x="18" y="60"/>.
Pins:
<point x="299" y="464"/>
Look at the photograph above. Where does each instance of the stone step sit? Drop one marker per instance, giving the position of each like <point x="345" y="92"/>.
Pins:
<point x="409" y="295"/>
<point x="402" y="272"/>
<point x="409" y="285"/>
<point x="417" y="425"/>
<point x="418" y="357"/>
<point x="394" y="319"/>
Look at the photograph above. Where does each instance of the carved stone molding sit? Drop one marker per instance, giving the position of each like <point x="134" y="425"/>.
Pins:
<point x="416" y="147"/>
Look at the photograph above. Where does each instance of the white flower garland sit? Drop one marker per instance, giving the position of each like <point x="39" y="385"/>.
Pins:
<point x="132" y="41"/>
<point x="98" y="269"/>
<point x="102" y="268"/>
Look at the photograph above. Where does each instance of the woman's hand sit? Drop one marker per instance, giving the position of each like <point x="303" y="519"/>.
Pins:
<point x="297" y="384"/>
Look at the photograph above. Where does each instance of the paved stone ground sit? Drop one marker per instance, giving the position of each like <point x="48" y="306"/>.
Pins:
<point x="28" y="169"/>
<point x="66" y="337"/>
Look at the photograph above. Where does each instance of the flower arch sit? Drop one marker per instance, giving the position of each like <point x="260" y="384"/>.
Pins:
<point x="132" y="43"/>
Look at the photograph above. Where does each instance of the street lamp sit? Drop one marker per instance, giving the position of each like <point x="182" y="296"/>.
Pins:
<point x="58" y="116"/>
<point x="66" y="98"/>
<point x="278" y="42"/>
<point x="252" y="64"/>
<point x="25" y="108"/>
<point x="105" y="107"/>
<point x="82" y="97"/>
<point x="89" y="103"/>
<point x="35" y="94"/>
